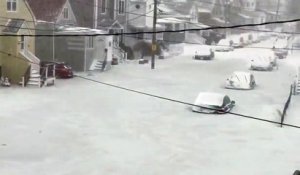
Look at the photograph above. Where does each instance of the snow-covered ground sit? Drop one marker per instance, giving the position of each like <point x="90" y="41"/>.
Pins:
<point x="80" y="127"/>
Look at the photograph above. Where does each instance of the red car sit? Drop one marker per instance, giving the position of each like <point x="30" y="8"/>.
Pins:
<point x="62" y="70"/>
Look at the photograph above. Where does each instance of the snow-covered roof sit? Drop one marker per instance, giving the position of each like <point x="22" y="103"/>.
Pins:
<point x="244" y="16"/>
<point x="209" y="99"/>
<point x="170" y="20"/>
<point x="81" y="30"/>
<point x="203" y="10"/>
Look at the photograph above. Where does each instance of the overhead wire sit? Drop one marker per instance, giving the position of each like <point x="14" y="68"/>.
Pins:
<point x="167" y="31"/>
<point x="182" y="102"/>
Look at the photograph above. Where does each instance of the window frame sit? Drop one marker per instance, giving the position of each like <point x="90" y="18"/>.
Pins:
<point x="10" y="5"/>
<point x="121" y="7"/>
<point x="66" y="13"/>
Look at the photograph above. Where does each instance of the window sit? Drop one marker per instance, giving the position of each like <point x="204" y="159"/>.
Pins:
<point x="90" y="43"/>
<point x="22" y="42"/>
<point x="66" y="13"/>
<point x="121" y="8"/>
<point x="11" y="5"/>
<point x="103" y="6"/>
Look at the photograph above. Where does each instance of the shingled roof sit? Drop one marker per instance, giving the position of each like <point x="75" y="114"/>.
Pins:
<point x="46" y="10"/>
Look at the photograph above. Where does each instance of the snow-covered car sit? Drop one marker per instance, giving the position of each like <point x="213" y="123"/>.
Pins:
<point x="236" y="43"/>
<point x="213" y="103"/>
<point x="281" y="53"/>
<point x="223" y="46"/>
<point x="204" y="53"/>
<point x="255" y="38"/>
<point x="269" y="54"/>
<point x="261" y="63"/>
<point x="240" y="80"/>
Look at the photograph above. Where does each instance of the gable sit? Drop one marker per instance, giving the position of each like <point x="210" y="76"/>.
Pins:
<point x="69" y="19"/>
<point x="46" y="10"/>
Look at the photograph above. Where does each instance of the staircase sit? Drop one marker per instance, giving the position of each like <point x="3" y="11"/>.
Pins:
<point x="97" y="65"/>
<point x="34" y="75"/>
<point x="35" y="78"/>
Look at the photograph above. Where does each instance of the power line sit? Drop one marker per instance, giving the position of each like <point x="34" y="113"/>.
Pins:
<point x="182" y="102"/>
<point x="186" y="22"/>
<point x="167" y="31"/>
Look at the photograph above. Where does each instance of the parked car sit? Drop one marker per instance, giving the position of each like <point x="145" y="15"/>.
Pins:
<point x="261" y="63"/>
<point x="62" y="70"/>
<point x="281" y="53"/>
<point x="269" y="54"/>
<point x="204" y="53"/>
<point x="213" y="103"/>
<point x="237" y="43"/>
<point x="223" y="46"/>
<point x="280" y="48"/>
<point x="240" y="80"/>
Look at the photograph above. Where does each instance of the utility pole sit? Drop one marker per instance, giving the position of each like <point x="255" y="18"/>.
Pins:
<point x="95" y="25"/>
<point x="277" y="12"/>
<point x="227" y="15"/>
<point x="154" y="45"/>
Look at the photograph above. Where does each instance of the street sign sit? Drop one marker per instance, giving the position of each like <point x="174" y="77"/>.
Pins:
<point x="154" y="47"/>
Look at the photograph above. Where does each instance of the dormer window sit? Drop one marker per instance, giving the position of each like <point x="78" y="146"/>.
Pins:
<point x="11" y="5"/>
<point x="66" y="13"/>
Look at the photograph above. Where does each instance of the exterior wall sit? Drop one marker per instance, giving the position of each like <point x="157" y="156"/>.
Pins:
<point x="138" y="8"/>
<point x="12" y="67"/>
<point x="121" y="18"/>
<point x="71" y="20"/>
<point x="250" y="5"/>
<point x="44" y="45"/>
<point x="72" y="51"/>
<point x="111" y="13"/>
<point x="23" y="12"/>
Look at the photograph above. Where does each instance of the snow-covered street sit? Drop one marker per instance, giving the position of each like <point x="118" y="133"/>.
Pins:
<point x="80" y="127"/>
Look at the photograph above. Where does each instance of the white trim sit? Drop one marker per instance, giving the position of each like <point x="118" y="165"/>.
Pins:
<point x="11" y="2"/>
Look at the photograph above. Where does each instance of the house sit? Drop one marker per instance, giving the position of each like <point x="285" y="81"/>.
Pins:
<point x="181" y="16"/>
<point x="213" y="14"/>
<point x="141" y="20"/>
<point x="112" y="16"/>
<point x="71" y="17"/>
<point x="50" y="14"/>
<point x="17" y="58"/>
<point x="84" y="52"/>
<point x="250" y="15"/>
